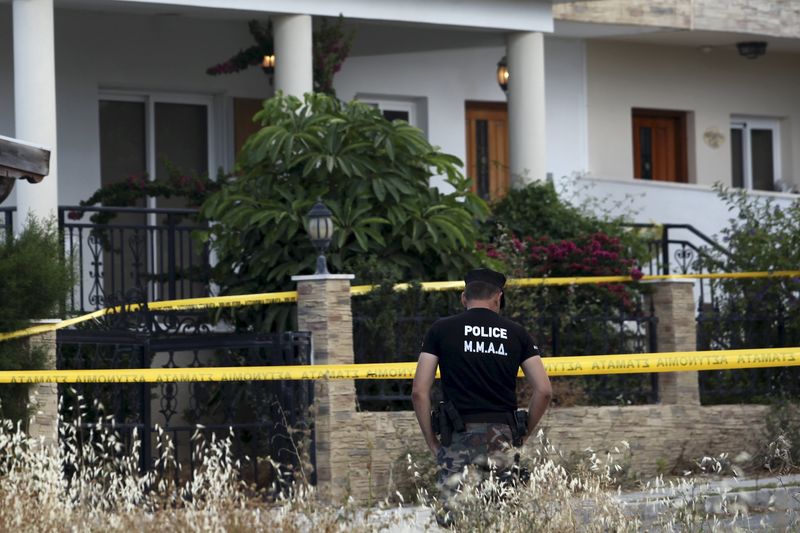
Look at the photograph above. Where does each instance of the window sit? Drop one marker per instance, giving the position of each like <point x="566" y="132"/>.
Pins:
<point x="408" y="108"/>
<point x="141" y="134"/>
<point x="755" y="153"/>
<point x="396" y="110"/>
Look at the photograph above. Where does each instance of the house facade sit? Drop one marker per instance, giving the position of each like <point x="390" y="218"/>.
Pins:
<point x="642" y="106"/>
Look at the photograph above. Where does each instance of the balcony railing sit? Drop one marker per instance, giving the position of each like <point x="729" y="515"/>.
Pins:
<point x="117" y="250"/>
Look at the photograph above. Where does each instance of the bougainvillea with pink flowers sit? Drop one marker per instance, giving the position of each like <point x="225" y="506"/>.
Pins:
<point x="132" y="190"/>
<point x="331" y="46"/>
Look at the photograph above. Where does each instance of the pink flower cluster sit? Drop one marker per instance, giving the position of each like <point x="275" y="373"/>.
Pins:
<point x="136" y="181"/>
<point x="597" y="254"/>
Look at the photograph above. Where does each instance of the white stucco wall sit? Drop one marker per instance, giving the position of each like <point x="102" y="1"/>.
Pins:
<point x="448" y="78"/>
<point x="96" y="52"/>
<point x="105" y="51"/>
<point x="711" y="86"/>
<point x="662" y="203"/>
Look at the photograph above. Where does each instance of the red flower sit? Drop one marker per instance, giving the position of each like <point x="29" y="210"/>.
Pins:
<point x="636" y="274"/>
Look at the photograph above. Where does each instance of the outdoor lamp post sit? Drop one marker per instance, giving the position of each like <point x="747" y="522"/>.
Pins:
<point x="502" y="74"/>
<point x="320" y="230"/>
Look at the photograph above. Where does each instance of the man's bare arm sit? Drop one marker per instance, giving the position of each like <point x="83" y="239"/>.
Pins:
<point x="421" y="397"/>
<point x="537" y="378"/>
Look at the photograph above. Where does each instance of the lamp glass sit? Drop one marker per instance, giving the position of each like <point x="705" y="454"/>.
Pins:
<point x="320" y="228"/>
<point x="502" y="73"/>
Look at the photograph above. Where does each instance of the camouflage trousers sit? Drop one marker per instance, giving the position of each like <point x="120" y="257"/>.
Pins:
<point x="474" y="452"/>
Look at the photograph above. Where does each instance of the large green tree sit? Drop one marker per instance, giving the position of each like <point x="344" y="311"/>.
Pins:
<point x="373" y="174"/>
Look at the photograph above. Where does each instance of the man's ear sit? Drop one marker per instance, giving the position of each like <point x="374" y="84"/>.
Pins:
<point x="463" y="299"/>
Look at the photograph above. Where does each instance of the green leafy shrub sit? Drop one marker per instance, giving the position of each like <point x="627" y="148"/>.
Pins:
<point x="534" y="232"/>
<point x="755" y="313"/>
<point x="752" y="313"/>
<point x="34" y="283"/>
<point x="373" y="175"/>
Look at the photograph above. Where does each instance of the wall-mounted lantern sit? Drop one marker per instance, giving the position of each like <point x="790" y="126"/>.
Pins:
<point x="502" y="74"/>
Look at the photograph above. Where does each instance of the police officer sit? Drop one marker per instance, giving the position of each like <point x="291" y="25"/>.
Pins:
<point x="478" y="353"/>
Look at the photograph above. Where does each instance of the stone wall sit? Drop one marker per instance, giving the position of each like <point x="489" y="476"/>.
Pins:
<point x="370" y="448"/>
<point x="669" y="14"/>
<point x="44" y="396"/>
<point x="362" y="454"/>
<point x="759" y="17"/>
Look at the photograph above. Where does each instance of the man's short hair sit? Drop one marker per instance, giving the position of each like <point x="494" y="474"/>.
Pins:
<point x="480" y="290"/>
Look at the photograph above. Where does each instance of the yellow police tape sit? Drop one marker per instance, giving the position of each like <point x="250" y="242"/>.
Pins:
<point x="555" y="366"/>
<point x="211" y="302"/>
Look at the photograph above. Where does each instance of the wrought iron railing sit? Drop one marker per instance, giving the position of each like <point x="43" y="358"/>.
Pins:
<point x="119" y="249"/>
<point x="263" y="419"/>
<point x="678" y="249"/>
<point x="610" y="329"/>
<point x="758" y="313"/>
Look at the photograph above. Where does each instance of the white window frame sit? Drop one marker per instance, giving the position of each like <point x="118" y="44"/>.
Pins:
<point x="387" y="104"/>
<point x="150" y="99"/>
<point x="745" y="125"/>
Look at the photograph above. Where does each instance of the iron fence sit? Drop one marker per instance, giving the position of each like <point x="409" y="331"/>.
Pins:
<point x="117" y="249"/>
<point x="265" y="420"/>
<point x="381" y="336"/>
<point x="676" y="249"/>
<point x="763" y="313"/>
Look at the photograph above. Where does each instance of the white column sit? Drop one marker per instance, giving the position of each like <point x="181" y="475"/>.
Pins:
<point x="526" y="109"/>
<point x="293" y="54"/>
<point x="35" y="100"/>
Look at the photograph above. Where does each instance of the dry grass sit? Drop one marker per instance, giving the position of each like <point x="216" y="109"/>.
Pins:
<point x="94" y="484"/>
<point x="568" y="494"/>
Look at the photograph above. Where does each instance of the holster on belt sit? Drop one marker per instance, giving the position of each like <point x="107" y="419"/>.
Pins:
<point x="445" y="419"/>
<point x="520" y="427"/>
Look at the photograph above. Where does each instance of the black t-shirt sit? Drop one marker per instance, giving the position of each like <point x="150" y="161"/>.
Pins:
<point x="479" y="355"/>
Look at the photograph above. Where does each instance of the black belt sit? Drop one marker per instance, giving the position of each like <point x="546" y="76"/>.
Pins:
<point x="489" y="418"/>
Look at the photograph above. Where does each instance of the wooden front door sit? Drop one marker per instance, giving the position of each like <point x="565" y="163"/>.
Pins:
<point x="243" y="125"/>
<point x="659" y="145"/>
<point x="487" y="148"/>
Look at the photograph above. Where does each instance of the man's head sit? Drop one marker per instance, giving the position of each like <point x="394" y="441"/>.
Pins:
<point x="484" y="287"/>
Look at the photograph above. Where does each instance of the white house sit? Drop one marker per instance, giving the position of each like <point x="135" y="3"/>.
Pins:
<point x="649" y="103"/>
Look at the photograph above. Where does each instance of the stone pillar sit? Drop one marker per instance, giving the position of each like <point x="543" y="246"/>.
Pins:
<point x="35" y="101"/>
<point x="44" y="396"/>
<point x="323" y="308"/>
<point x="673" y="301"/>
<point x="294" y="70"/>
<point x="526" y="107"/>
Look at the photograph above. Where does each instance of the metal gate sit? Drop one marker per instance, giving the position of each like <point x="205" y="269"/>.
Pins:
<point x="265" y="419"/>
